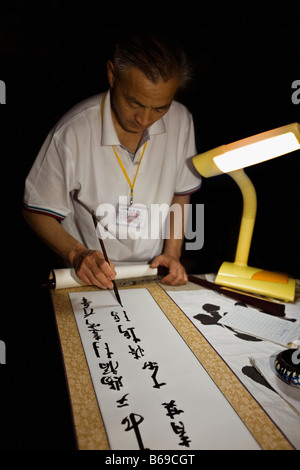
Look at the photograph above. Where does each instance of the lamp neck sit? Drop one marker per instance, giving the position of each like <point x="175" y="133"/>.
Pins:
<point x="248" y="216"/>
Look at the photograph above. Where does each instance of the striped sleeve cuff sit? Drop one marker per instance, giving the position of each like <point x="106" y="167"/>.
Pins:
<point x="42" y="210"/>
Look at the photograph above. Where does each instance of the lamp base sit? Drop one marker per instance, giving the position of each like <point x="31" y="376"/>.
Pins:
<point x="257" y="281"/>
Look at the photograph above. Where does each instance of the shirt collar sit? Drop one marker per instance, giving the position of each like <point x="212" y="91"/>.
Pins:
<point x="109" y="135"/>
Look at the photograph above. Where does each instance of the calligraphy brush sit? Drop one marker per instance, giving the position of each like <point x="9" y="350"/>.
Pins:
<point x="106" y="259"/>
<point x="267" y="306"/>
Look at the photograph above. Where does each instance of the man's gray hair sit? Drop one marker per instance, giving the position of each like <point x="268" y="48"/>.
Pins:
<point x="157" y="57"/>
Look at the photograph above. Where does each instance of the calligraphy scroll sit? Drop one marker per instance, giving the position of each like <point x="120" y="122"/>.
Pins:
<point x="152" y="391"/>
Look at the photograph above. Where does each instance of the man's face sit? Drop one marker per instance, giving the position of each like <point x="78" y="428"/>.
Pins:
<point x="137" y="102"/>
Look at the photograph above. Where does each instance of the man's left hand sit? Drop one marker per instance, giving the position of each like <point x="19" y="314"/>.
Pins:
<point x="177" y="275"/>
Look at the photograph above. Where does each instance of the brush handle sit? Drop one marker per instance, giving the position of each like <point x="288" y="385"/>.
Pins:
<point x="267" y="306"/>
<point x="106" y="259"/>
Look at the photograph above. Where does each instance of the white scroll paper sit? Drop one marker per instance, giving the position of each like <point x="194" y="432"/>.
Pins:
<point x="66" y="278"/>
<point x="152" y="391"/>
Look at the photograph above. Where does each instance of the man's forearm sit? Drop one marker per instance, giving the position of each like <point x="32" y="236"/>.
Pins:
<point x="50" y="231"/>
<point x="90" y="265"/>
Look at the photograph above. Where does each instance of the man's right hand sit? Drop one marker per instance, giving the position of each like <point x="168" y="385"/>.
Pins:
<point x="90" y="265"/>
<point x="92" y="269"/>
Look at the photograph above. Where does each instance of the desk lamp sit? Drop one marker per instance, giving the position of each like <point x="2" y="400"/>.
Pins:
<point x="231" y="159"/>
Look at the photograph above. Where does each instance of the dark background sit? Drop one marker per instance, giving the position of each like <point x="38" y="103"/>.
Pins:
<point x="52" y="55"/>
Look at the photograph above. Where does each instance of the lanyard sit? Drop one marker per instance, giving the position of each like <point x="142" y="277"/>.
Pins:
<point x="131" y="184"/>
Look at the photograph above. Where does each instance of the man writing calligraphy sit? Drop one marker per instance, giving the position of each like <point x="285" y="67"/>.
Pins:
<point x="132" y="142"/>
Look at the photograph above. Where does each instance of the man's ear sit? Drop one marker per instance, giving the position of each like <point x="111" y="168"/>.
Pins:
<point x="111" y="73"/>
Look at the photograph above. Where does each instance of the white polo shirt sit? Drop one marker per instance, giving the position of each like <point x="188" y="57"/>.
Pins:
<point x="77" y="172"/>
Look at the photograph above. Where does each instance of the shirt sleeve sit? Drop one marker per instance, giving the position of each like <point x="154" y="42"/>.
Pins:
<point x="49" y="182"/>
<point x="188" y="179"/>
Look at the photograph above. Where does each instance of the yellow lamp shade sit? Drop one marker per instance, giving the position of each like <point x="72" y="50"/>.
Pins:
<point x="249" y="151"/>
<point x="231" y="159"/>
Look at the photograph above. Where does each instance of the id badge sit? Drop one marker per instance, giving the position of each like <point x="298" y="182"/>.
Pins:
<point x="132" y="216"/>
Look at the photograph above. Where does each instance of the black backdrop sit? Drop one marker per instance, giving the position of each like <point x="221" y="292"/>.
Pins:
<point x="52" y="55"/>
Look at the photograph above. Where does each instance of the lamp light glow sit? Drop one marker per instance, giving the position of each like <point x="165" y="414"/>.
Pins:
<point x="231" y="159"/>
<point x="257" y="152"/>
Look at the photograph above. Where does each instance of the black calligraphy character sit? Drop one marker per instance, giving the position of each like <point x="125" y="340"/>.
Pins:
<point x="254" y="375"/>
<point x="87" y="314"/>
<point x="137" y="353"/>
<point x="93" y="328"/>
<point x="85" y="302"/>
<point x="153" y="366"/>
<point x="114" y="383"/>
<point x="96" y="348"/>
<point x="108" y="367"/>
<point x="115" y="315"/>
<point x="126" y="316"/>
<point x="132" y="423"/>
<point x="123" y="401"/>
<point x="179" y="429"/>
<point x="129" y="332"/>
<point x="213" y="315"/>
<point x="108" y="352"/>
<point x="172" y="409"/>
